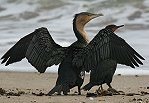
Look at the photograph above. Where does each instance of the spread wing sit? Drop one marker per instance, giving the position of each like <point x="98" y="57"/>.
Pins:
<point x="18" y="51"/>
<point x="107" y="45"/>
<point x="39" y="48"/>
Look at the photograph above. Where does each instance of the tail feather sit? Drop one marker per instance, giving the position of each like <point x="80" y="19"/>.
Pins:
<point x="88" y="86"/>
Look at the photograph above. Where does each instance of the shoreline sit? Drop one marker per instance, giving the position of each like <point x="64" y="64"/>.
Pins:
<point x="121" y="71"/>
<point x="33" y="82"/>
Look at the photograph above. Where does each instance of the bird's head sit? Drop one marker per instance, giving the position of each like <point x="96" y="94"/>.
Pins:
<point x="79" y="22"/>
<point x="84" y="17"/>
<point x="113" y="27"/>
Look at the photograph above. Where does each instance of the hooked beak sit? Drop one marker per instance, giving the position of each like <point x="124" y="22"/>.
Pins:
<point x="120" y="26"/>
<point x="96" y="15"/>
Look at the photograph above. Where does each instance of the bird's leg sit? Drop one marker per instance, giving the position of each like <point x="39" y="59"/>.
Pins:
<point x="65" y="89"/>
<point x="109" y="85"/>
<point x="100" y="90"/>
<point x="59" y="90"/>
<point x="79" y="90"/>
<point x="59" y="93"/>
<point x="65" y="93"/>
<point x="112" y="90"/>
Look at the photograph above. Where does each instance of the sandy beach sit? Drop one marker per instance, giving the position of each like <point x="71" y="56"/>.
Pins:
<point x="136" y="89"/>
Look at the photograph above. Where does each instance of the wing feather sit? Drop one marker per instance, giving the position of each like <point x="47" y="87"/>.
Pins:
<point x="107" y="45"/>
<point x="39" y="48"/>
<point x="43" y="52"/>
<point x="18" y="51"/>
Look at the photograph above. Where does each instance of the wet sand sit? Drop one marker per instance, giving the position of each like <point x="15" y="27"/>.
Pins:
<point x="136" y="89"/>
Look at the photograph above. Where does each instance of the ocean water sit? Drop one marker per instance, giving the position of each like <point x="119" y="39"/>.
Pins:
<point x="19" y="18"/>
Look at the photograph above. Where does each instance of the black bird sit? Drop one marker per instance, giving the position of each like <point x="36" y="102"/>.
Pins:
<point x="102" y="55"/>
<point x="41" y="51"/>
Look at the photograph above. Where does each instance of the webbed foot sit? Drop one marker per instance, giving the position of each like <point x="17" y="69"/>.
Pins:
<point x="113" y="91"/>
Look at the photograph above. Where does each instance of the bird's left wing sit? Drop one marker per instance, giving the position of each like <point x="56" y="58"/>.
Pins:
<point x="107" y="45"/>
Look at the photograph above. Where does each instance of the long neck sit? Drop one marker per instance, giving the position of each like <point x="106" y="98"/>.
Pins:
<point x="79" y="31"/>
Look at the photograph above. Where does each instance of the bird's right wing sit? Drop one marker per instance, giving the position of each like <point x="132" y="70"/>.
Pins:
<point x="18" y="51"/>
<point x="43" y="52"/>
<point x="107" y="45"/>
<point x="39" y="48"/>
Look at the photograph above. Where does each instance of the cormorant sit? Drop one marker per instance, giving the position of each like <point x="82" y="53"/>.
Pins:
<point x="102" y="55"/>
<point x="41" y="52"/>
